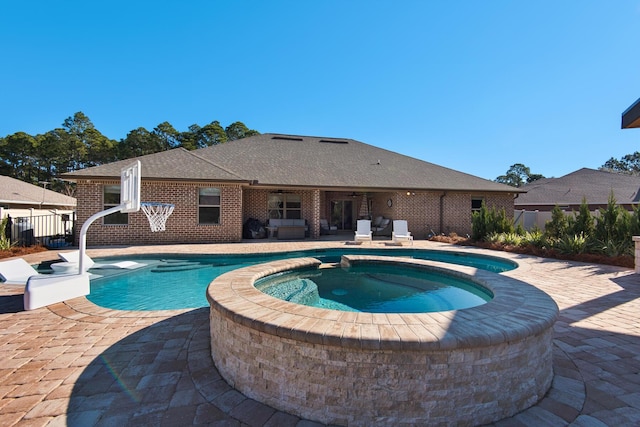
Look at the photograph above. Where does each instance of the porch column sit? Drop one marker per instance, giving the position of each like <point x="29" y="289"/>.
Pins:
<point x="636" y="240"/>
<point x="315" y="216"/>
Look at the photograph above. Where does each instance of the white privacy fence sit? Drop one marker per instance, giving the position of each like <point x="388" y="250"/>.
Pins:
<point x="531" y="219"/>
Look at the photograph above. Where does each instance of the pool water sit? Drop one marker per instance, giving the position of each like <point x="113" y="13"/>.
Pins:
<point x="375" y="288"/>
<point x="170" y="282"/>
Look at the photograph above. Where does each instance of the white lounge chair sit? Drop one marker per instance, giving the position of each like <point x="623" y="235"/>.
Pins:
<point x="16" y="271"/>
<point x="401" y="232"/>
<point x="46" y="289"/>
<point x="72" y="259"/>
<point x="363" y="233"/>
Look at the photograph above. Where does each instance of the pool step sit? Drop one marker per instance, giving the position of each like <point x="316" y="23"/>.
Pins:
<point x="172" y="266"/>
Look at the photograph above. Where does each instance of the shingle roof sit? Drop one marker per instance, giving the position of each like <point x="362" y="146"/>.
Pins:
<point x="290" y="160"/>
<point x="177" y="164"/>
<point x="14" y="191"/>
<point x="594" y="185"/>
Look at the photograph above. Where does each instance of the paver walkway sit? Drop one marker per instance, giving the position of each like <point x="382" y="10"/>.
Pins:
<point x="78" y="364"/>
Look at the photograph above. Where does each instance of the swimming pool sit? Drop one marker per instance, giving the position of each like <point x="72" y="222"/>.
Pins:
<point x="375" y="288"/>
<point x="170" y="282"/>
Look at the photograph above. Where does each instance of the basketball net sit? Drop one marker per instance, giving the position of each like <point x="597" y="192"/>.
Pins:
<point x="157" y="214"/>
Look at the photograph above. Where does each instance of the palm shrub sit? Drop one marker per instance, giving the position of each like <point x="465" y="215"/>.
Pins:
<point x="535" y="238"/>
<point x="572" y="244"/>
<point x="513" y="239"/>
<point x="494" y="238"/>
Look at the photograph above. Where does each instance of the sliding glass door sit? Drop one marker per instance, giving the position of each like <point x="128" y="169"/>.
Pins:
<point x="342" y="214"/>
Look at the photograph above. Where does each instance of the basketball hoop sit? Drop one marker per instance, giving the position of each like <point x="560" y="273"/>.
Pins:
<point x="157" y="214"/>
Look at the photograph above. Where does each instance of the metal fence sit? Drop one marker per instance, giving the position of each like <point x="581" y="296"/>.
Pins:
<point x="53" y="231"/>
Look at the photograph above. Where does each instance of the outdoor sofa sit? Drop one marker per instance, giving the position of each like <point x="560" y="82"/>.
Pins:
<point x="287" y="229"/>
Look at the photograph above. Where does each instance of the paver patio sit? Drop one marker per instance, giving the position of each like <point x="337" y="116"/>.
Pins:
<point x="78" y="364"/>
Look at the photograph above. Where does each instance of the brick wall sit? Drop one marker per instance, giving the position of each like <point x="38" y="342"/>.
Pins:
<point x="384" y="369"/>
<point x="181" y="227"/>
<point x="256" y="206"/>
<point x="422" y="211"/>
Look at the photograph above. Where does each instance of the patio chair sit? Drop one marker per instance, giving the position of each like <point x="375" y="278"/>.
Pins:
<point x="16" y="271"/>
<point x="401" y="232"/>
<point x="381" y="226"/>
<point x="72" y="259"/>
<point x="325" y="228"/>
<point x="363" y="233"/>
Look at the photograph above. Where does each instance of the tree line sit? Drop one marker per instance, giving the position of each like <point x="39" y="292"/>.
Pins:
<point x="78" y="145"/>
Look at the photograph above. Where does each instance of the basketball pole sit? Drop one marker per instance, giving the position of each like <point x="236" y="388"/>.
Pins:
<point x="130" y="204"/>
<point x="85" y="227"/>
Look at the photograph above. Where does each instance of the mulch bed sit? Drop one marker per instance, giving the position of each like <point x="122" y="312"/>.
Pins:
<point x="21" y="251"/>
<point x="621" y="261"/>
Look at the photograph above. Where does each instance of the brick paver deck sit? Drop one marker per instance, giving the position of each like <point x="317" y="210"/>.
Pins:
<point x="78" y="364"/>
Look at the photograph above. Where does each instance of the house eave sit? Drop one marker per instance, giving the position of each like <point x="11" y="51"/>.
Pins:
<point x="33" y="202"/>
<point x="631" y="116"/>
<point x="369" y="189"/>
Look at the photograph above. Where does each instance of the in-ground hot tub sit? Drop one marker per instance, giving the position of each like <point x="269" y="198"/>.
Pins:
<point x="464" y="367"/>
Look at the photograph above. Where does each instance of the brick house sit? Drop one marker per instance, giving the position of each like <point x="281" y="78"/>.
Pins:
<point x="216" y="189"/>
<point x="568" y="191"/>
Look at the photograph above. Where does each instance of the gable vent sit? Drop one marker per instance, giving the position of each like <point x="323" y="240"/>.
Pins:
<point x="334" y="141"/>
<point x="287" y="138"/>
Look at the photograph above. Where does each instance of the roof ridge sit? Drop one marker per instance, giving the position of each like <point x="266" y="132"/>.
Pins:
<point x="304" y="136"/>
<point x="192" y="153"/>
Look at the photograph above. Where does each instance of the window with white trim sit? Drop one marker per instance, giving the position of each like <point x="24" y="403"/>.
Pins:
<point x="476" y="203"/>
<point x="209" y="205"/>
<point x="110" y="199"/>
<point x="283" y="205"/>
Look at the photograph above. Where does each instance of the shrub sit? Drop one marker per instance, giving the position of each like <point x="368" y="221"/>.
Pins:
<point x="572" y="244"/>
<point x="535" y="238"/>
<point x="614" y="229"/>
<point x="485" y="222"/>
<point x="583" y="222"/>
<point x="614" y="248"/>
<point x="558" y="226"/>
<point x="479" y="223"/>
<point x="606" y="224"/>
<point x="5" y="242"/>
<point x="513" y="239"/>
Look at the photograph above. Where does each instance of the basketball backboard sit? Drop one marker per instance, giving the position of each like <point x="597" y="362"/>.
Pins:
<point x="130" y="178"/>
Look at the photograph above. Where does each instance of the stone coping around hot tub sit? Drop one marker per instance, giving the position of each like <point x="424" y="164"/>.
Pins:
<point x="518" y="310"/>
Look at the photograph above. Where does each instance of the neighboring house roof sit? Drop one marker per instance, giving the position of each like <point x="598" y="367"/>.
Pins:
<point x="14" y="191"/>
<point x="631" y="116"/>
<point x="300" y="161"/>
<point x="569" y="190"/>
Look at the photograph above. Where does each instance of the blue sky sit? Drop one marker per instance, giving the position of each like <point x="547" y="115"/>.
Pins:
<point x="472" y="85"/>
